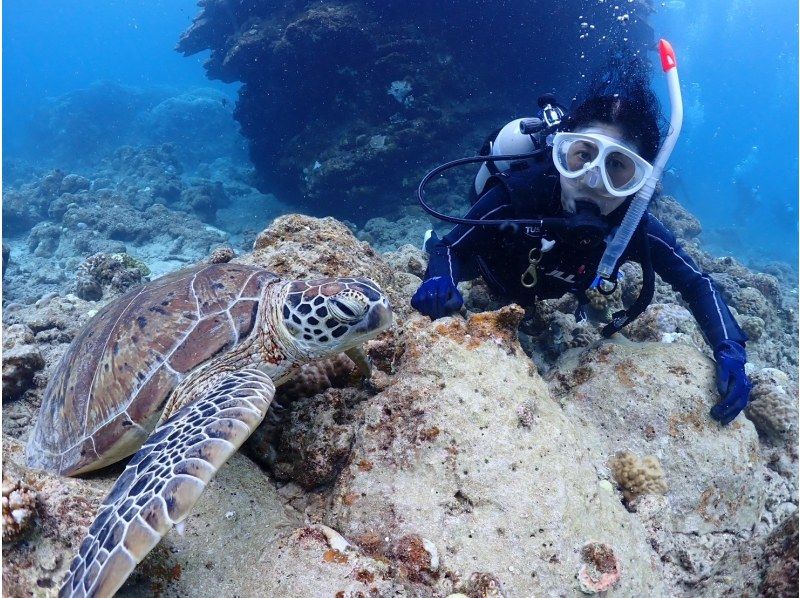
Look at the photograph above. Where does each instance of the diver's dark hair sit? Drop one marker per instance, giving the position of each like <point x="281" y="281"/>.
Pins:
<point x="621" y="95"/>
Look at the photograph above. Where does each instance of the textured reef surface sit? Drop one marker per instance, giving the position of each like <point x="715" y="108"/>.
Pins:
<point x="462" y="468"/>
<point x="336" y="94"/>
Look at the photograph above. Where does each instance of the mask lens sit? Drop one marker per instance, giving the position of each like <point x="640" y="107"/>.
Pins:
<point x="579" y="153"/>
<point x="621" y="170"/>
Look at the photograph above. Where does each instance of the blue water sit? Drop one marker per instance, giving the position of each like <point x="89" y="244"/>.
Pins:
<point x="735" y="166"/>
<point x="736" y="161"/>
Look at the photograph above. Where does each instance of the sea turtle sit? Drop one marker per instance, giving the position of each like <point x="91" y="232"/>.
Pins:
<point x="182" y="370"/>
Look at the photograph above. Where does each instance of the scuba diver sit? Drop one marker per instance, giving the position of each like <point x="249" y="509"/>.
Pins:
<point x="550" y="223"/>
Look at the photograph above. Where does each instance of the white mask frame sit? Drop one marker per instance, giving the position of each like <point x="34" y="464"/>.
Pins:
<point x="605" y="145"/>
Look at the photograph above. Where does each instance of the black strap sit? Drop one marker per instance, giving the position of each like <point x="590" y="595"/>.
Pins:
<point x="624" y="317"/>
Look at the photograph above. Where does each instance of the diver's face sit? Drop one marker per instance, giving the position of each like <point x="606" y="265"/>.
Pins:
<point x="573" y="190"/>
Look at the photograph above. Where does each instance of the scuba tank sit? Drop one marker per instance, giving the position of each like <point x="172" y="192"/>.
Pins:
<point x="520" y="137"/>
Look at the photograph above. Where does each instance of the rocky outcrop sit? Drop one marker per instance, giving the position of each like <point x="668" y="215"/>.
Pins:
<point x="467" y="450"/>
<point x="393" y="83"/>
<point x="299" y="246"/>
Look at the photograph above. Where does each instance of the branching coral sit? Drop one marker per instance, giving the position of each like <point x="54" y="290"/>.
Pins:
<point x="638" y="476"/>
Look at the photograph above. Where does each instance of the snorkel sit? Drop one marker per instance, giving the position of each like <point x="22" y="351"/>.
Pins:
<point x="616" y="247"/>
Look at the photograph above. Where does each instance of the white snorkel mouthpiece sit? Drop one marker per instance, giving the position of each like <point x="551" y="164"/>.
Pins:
<point x="636" y="210"/>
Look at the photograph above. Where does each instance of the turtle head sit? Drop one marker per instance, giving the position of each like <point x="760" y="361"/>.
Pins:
<point x="329" y="315"/>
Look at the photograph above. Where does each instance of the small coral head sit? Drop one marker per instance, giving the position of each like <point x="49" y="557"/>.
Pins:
<point x="330" y="315"/>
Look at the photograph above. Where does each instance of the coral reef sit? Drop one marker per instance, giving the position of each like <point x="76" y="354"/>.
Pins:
<point x="386" y="80"/>
<point x="638" y="476"/>
<point x="136" y="204"/>
<point x="780" y="561"/>
<point x="80" y="128"/>
<point x="675" y="217"/>
<point x="457" y="469"/>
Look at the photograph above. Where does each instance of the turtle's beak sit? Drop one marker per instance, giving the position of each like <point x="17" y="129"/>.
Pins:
<point x="380" y="317"/>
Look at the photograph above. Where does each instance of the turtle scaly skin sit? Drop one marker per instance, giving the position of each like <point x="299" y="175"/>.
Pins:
<point x="193" y="358"/>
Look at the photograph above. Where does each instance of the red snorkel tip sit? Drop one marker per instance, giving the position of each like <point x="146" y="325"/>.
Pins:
<point x="668" y="60"/>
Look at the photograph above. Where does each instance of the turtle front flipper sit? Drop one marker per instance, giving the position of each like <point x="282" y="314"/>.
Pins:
<point x="359" y="357"/>
<point x="165" y="478"/>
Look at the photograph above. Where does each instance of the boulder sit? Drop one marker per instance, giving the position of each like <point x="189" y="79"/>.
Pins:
<point x="466" y="467"/>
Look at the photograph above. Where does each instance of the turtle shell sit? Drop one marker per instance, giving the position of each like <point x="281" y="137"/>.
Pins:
<point x="109" y="389"/>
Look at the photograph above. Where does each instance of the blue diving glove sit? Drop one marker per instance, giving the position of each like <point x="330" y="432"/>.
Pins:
<point x="437" y="297"/>
<point x="732" y="383"/>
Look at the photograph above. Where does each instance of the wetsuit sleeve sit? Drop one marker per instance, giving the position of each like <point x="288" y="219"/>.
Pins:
<point x="674" y="266"/>
<point x="453" y="255"/>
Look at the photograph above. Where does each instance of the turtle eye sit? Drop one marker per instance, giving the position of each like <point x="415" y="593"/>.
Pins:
<point x="346" y="309"/>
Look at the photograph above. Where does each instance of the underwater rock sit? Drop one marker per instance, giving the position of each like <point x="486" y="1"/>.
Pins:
<point x="43" y="239"/>
<point x="408" y="258"/>
<point x="392" y="234"/>
<point x="79" y="128"/>
<point x="115" y="272"/>
<point x="441" y="455"/>
<point x="301" y="246"/>
<point x="199" y="123"/>
<point x="6" y="257"/>
<point x="600" y="570"/>
<point x="550" y="329"/>
<point x="64" y="510"/>
<point x="313" y="441"/>
<point x="22" y="359"/>
<point x="205" y="198"/>
<point x="20" y="364"/>
<point x="654" y="398"/>
<point x="762" y="566"/>
<point x="393" y="83"/>
<point x="308" y="431"/>
<point x="221" y="255"/>
<point x="127" y="216"/>
<point x="675" y="217"/>
<point x="20" y="213"/>
<point x="780" y="560"/>
<point x="666" y="323"/>
<point x="312" y="561"/>
<point x="74" y="183"/>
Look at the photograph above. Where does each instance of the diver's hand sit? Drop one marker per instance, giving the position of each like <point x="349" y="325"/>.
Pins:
<point x="437" y="297"/>
<point x="733" y="384"/>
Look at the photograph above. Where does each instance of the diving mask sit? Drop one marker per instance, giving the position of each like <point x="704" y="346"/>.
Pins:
<point x="600" y="160"/>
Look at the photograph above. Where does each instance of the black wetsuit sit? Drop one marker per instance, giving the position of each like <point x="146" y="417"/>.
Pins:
<point x="500" y="255"/>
